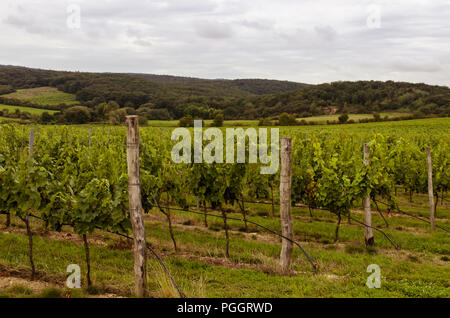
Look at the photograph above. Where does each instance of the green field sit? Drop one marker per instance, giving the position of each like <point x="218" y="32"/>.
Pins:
<point x="43" y="96"/>
<point x="31" y="110"/>
<point x="400" y="128"/>
<point x="4" y="119"/>
<point x="248" y="123"/>
<point x="354" y="117"/>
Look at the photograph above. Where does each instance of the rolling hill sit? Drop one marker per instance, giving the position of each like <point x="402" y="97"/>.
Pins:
<point x="175" y="97"/>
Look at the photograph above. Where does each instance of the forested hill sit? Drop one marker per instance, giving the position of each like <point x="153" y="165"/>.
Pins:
<point x="252" y="86"/>
<point x="354" y="97"/>
<point x="165" y="97"/>
<point x="21" y="77"/>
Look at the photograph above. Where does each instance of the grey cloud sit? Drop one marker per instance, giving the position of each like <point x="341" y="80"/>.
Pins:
<point x="405" y="65"/>
<point x="29" y="24"/>
<point x="148" y="9"/>
<point x="214" y="30"/>
<point x="301" y="41"/>
<point x="257" y="25"/>
<point x="326" y="32"/>
<point x="142" y="42"/>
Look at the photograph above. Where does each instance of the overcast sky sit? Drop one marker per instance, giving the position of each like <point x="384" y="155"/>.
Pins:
<point x="308" y="41"/>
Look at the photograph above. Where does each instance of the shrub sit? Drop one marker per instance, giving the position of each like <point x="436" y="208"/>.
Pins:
<point x="25" y="115"/>
<point x="376" y="116"/>
<point x="187" y="121"/>
<point x="264" y="122"/>
<point x="218" y="120"/>
<point x="286" y="120"/>
<point x="77" y="115"/>
<point x="46" y="118"/>
<point x="118" y="116"/>
<point x="343" y="118"/>
<point x="143" y="121"/>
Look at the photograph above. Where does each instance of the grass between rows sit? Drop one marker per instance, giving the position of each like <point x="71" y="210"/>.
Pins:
<point x="419" y="269"/>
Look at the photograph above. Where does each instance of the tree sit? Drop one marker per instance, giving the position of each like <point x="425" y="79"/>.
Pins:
<point x="218" y="120"/>
<point x="77" y="115"/>
<point x="376" y="116"/>
<point x="112" y="105"/>
<point x="101" y="110"/>
<point x="187" y="121"/>
<point x="286" y="120"/>
<point x="343" y="118"/>
<point x="118" y="116"/>
<point x="46" y="118"/>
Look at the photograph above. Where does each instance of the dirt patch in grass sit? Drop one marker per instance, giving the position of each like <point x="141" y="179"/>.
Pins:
<point x="46" y="283"/>
<point x="67" y="236"/>
<point x="25" y="273"/>
<point x="178" y="223"/>
<point x="231" y="264"/>
<point x="35" y="286"/>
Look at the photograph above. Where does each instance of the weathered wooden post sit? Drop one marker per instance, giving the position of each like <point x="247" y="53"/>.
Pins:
<point x="27" y="218"/>
<point x="430" y="189"/>
<point x="368" y="232"/>
<point x="285" y="203"/>
<point x="134" y="194"/>
<point x="86" y="242"/>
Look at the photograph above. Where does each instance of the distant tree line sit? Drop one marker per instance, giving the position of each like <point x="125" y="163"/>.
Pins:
<point x="110" y="97"/>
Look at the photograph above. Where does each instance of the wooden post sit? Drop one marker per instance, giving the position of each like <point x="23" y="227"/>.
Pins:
<point x="285" y="203"/>
<point x="430" y="189"/>
<point x="134" y="195"/>
<point x="368" y="232"/>
<point x="31" y="144"/>
<point x="27" y="218"/>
